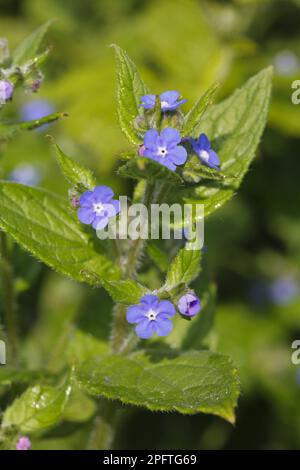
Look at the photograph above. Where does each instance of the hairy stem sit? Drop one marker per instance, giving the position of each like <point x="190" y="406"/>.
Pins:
<point x="134" y="254"/>
<point x="8" y="297"/>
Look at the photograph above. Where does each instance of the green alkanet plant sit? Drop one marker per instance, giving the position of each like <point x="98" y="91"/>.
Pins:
<point x="164" y="375"/>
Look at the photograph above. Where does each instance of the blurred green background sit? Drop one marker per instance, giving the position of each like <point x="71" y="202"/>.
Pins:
<point x="252" y="245"/>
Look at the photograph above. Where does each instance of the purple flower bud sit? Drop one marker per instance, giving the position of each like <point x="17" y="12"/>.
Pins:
<point x="6" y="91"/>
<point x="23" y="443"/>
<point x="189" y="305"/>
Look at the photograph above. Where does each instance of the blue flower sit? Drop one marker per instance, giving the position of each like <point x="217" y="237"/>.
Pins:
<point x="151" y="316"/>
<point x="97" y="206"/>
<point x="169" y="101"/>
<point x="6" y="90"/>
<point x="205" y="153"/>
<point x="164" y="148"/>
<point x="189" y="305"/>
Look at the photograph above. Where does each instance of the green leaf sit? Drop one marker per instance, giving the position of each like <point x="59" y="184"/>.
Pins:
<point x="29" y="47"/>
<point x="235" y="127"/>
<point x="43" y="225"/>
<point x="40" y="407"/>
<point x="189" y="383"/>
<point x="130" y="88"/>
<point x="184" y="268"/>
<point x="125" y="292"/>
<point x="7" y="131"/>
<point x="75" y="173"/>
<point x="192" y="121"/>
<point x="141" y="167"/>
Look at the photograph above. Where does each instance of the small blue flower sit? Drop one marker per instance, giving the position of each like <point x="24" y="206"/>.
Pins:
<point x="151" y="316"/>
<point x="205" y="153"/>
<point x="169" y="101"/>
<point x="164" y="148"/>
<point x="6" y="90"/>
<point x="97" y="206"/>
<point x="189" y="305"/>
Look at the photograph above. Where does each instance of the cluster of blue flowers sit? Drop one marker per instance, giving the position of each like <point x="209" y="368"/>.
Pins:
<point x="165" y="148"/>
<point x="96" y="207"/>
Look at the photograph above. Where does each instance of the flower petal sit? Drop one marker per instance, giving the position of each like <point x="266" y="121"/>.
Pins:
<point x="203" y="142"/>
<point x="214" y="160"/>
<point x="166" y="307"/>
<point x="170" y="137"/>
<point x="170" y="96"/>
<point x="145" y="329"/>
<point x="86" y="198"/>
<point x="103" y="193"/>
<point x="86" y="215"/>
<point x="112" y="208"/>
<point x="151" y="139"/>
<point x="100" y="222"/>
<point x="166" y="162"/>
<point x="135" y="314"/>
<point x="163" y="327"/>
<point x="148" y="101"/>
<point x="150" y="300"/>
<point x="178" y="155"/>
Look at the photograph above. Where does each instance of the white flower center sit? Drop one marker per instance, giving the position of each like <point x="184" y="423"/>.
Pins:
<point x="98" y="208"/>
<point x="204" y="155"/>
<point x="162" y="151"/>
<point x="152" y="314"/>
<point x="164" y="104"/>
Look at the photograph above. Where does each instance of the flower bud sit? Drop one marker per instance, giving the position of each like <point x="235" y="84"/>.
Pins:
<point x="189" y="305"/>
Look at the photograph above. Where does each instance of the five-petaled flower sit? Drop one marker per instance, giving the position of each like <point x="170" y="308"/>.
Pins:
<point x="205" y="153"/>
<point x="151" y="316"/>
<point x="189" y="305"/>
<point x="23" y="443"/>
<point x="169" y="101"/>
<point x="6" y="90"/>
<point x="164" y="148"/>
<point x="97" y="206"/>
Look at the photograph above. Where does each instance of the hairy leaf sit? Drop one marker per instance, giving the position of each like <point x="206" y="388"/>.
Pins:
<point x="141" y="167"/>
<point x="189" y="383"/>
<point x="42" y="224"/>
<point x="7" y="130"/>
<point x="75" y="173"/>
<point x="192" y="121"/>
<point x="130" y="88"/>
<point x="184" y="268"/>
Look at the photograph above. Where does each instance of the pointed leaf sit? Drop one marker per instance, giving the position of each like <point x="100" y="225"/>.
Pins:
<point x="130" y="88"/>
<point x="30" y="46"/>
<point x="75" y="173"/>
<point x="184" y="268"/>
<point x="192" y="121"/>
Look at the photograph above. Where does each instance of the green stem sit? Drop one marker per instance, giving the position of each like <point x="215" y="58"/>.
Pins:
<point x="102" y="434"/>
<point x="8" y="296"/>
<point x="135" y="251"/>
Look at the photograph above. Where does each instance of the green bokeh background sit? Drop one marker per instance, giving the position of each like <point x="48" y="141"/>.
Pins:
<point x="255" y="240"/>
